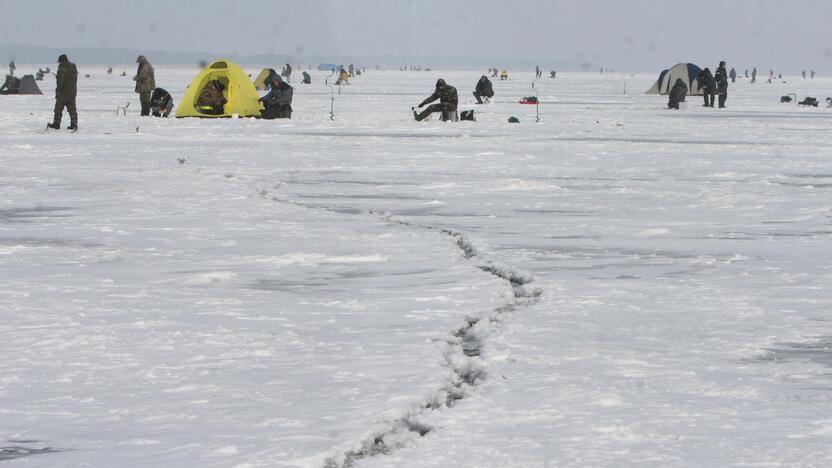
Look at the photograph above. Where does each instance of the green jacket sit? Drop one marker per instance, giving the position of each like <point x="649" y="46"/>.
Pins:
<point x="447" y="98"/>
<point x="66" y="81"/>
<point x="145" y="79"/>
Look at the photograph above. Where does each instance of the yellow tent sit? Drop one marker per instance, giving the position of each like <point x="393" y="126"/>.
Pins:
<point x="241" y="97"/>
<point x="260" y="81"/>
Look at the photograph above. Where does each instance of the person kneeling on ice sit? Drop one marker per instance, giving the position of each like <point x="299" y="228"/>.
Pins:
<point x="11" y="85"/>
<point x="307" y="78"/>
<point x="211" y="100"/>
<point x="161" y="104"/>
<point x="677" y="94"/>
<point x="66" y="87"/>
<point x="484" y="89"/>
<point x="278" y="103"/>
<point x="448" y="100"/>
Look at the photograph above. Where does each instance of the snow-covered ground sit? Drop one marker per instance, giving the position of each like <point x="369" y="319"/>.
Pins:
<point x="616" y="285"/>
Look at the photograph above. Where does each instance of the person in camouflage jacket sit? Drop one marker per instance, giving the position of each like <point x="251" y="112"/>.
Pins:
<point x="66" y="88"/>
<point x="145" y="83"/>
<point x="448" y="100"/>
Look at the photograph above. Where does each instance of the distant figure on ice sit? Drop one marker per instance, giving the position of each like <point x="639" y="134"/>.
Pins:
<point x="110" y="71"/>
<point x="484" y="89"/>
<point x="145" y="83"/>
<point x="161" y="104"/>
<point x="733" y="75"/>
<point x="287" y="73"/>
<point x="211" y="100"/>
<point x="11" y="85"/>
<point x="707" y="86"/>
<point x="352" y="71"/>
<point x="12" y="68"/>
<point x="448" y="101"/>
<point x="41" y="73"/>
<point x="813" y="74"/>
<point x="307" y="78"/>
<point x="721" y="79"/>
<point x="66" y="88"/>
<point x="343" y="77"/>
<point x="494" y="72"/>
<point x="503" y="75"/>
<point x="278" y="103"/>
<point x="754" y="75"/>
<point x="537" y="72"/>
<point x="553" y="74"/>
<point x="746" y="73"/>
<point x="677" y="94"/>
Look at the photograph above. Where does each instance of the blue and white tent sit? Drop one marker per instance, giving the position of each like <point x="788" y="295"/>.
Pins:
<point x="688" y="72"/>
<point x="327" y="67"/>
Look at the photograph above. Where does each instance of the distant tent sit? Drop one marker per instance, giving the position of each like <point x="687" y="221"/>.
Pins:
<point x="260" y="82"/>
<point x="327" y="67"/>
<point x="240" y="94"/>
<point x="28" y="85"/>
<point x="688" y="72"/>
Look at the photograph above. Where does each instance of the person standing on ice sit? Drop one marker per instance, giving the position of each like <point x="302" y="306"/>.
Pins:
<point x="677" y="94"/>
<point x="145" y="83"/>
<point x="706" y="84"/>
<point x="721" y="79"/>
<point x="66" y="88"/>
<point x="733" y="75"/>
<point x="484" y="89"/>
<point x="754" y="75"/>
<point x="448" y="100"/>
<point x="12" y="68"/>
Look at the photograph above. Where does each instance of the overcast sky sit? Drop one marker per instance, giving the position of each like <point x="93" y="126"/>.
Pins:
<point x="622" y="34"/>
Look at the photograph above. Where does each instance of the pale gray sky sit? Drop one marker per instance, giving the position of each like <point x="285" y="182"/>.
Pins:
<point x="622" y="34"/>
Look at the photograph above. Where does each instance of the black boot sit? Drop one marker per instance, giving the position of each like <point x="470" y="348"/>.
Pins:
<point x="73" y="126"/>
<point x="55" y="126"/>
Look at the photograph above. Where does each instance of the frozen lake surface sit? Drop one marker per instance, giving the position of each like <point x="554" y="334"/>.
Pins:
<point x="616" y="285"/>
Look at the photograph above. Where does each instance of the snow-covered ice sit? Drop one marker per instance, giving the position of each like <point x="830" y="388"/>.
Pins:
<point x="616" y="285"/>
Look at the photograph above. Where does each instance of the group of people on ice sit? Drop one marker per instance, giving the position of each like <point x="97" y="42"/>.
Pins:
<point x="710" y="85"/>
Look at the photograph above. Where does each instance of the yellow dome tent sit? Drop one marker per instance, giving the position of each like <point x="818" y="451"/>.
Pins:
<point x="241" y="97"/>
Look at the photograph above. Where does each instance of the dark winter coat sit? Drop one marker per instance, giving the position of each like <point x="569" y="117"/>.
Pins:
<point x="145" y="78"/>
<point x="66" y="82"/>
<point x="484" y="87"/>
<point x="678" y="92"/>
<point x="706" y="81"/>
<point x="447" y="96"/>
<point x="160" y="98"/>
<point x="280" y="95"/>
<point x="721" y="80"/>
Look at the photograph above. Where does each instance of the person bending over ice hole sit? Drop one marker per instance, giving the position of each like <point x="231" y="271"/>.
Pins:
<point x="448" y="100"/>
<point x="161" y="104"/>
<point x="706" y="84"/>
<point x="278" y="103"/>
<point x="484" y="89"/>
<point x="677" y="94"/>
<point x="211" y="100"/>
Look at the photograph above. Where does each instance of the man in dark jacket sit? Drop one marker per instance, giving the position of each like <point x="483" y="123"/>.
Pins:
<point x="278" y="103"/>
<point x="287" y="72"/>
<point x="448" y="100"/>
<point x="161" y="104"/>
<point x="721" y="79"/>
<point x="66" y="87"/>
<point x="677" y="94"/>
<point x="307" y="78"/>
<point x="484" y="89"/>
<point x="706" y="84"/>
<point x="145" y="83"/>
